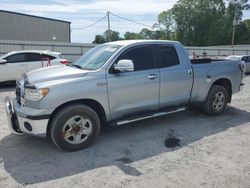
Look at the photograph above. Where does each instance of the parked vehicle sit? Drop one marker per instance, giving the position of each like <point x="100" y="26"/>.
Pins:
<point x="245" y="58"/>
<point x="118" y="83"/>
<point x="14" y="64"/>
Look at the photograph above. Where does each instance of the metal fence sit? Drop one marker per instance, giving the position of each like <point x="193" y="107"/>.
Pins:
<point x="73" y="51"/>
<point x="218" y="51"/>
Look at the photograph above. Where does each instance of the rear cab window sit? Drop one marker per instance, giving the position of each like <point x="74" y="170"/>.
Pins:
<point x="167" y="56"/>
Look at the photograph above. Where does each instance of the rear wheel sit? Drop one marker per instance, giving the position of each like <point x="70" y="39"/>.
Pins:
<point x="74" y="127"/>
<point x="217" y="100"/>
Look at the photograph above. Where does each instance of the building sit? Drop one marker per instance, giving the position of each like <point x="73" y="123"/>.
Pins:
<point x="17" y="26"/>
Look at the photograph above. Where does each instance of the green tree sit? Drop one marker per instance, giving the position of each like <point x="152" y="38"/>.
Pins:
<point x="131" y="35"/>
<point x="107" y="36"/>
<point x="114" y="35"/>
<point x="242" y="35"/>
<point x="195" y="23"/>
<point x="99" y="39"/>
<point x="197" y="20"/>
<point x="166" y="24"/>
<point x="234" y="12"/>
<point x="146" y="33"/>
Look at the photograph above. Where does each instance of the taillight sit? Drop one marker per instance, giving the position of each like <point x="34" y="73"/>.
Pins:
<point x="65" y="62"/>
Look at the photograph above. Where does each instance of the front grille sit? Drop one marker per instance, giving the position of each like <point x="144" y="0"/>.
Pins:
<point x="18" y="93"/>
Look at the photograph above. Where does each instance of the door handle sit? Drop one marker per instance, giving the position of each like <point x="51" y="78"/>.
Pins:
<point x="152" y="76"/>
<point x="22" y="65"/>
<point x="189" y="71"/>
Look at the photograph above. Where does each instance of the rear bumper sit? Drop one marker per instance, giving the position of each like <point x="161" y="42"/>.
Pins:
<point x="23" y="123"/>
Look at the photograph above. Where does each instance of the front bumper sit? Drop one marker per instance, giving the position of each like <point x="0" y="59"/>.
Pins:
<point x="25" y="120"/>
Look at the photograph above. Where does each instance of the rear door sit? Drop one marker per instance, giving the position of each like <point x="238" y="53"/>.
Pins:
<point x="175" y="77"/>
<point x="34" y="61"/>
<point x="137" y="91"/>
<point x="14" y="68"/>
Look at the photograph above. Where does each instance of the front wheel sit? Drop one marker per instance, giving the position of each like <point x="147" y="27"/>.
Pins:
<point x="74" y="127"/>
<point x="217" y="100"/>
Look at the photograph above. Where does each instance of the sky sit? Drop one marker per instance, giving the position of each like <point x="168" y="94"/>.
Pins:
<point x="82" y="13"/>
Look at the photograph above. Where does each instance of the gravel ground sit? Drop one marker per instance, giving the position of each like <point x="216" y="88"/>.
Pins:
<point x="213" y="152"/>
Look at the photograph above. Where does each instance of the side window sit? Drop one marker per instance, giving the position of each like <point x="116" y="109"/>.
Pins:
<point x="248" y="59"/>
<point x="244" y="58"/>
<point x="33" y="57"/>
<point x="168" y="56"/>
<point x="142" y="58"/>
<point x="16" y="58"/>
<point x="47" y="57"/>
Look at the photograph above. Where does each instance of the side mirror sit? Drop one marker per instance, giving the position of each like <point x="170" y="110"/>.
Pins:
<point x="3" y="61"/>
<point x="124" y="65"/>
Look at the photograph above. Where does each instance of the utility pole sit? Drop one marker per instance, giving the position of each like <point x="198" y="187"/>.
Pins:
<point x="234" y="26"/>
<point x="108" y="26"/>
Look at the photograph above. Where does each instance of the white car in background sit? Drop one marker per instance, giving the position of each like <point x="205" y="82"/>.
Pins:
<point x="14" y="64"/>
<point x="245" y="58"/>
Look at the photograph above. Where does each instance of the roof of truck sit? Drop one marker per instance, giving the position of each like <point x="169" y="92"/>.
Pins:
<point x="128" y="42"/>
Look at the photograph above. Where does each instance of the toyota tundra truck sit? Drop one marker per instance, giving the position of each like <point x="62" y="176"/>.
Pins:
<point x="118" y="83"/>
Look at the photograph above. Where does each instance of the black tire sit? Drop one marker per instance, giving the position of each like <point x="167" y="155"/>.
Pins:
<point x="210" y="106"/>
<point x="64" y="115"/>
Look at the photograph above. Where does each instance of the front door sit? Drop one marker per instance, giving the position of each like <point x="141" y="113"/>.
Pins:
<point x="14" y="68"/>
<point x="34" y="61"/>
<point x="138" y="91"/>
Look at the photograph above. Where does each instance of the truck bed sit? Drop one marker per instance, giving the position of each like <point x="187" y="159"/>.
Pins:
<point x="206" y="71"/>
<point x="204" y="61"/>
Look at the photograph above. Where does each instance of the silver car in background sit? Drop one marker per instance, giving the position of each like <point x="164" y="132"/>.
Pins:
<point x="245" y="58"/>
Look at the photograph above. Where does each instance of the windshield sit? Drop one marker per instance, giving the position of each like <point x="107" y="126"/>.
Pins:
<point x="96" y="57"/>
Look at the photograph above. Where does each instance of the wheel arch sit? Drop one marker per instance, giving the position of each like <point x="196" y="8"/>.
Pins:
<point x="93" y="104"/>
<point x="225" y="83"/>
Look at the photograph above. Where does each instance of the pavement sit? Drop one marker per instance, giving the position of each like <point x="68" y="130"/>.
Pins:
<point x="211" y="152"/>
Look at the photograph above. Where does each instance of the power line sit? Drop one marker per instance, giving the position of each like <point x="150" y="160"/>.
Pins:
<point x="85" y="27"/>
<point x="107" y="15"/>
<point x="131" y="20"/>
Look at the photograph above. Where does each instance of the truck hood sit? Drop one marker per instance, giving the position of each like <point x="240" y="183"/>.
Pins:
<point x="53" y="73"/>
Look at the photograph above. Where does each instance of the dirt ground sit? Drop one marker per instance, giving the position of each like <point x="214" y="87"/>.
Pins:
<point x="213" y="152"/>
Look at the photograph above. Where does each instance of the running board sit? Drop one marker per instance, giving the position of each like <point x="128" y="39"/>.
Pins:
<point x="150" y="116"/>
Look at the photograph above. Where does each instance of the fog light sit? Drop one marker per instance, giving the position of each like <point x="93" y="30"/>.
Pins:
<point x="28" y="126"/>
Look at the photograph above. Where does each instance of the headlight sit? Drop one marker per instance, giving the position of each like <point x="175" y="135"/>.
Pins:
<point x="35" y="94"/>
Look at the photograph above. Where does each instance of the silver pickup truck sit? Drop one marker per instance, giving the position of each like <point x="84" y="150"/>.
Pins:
<point x="118" y="83"/>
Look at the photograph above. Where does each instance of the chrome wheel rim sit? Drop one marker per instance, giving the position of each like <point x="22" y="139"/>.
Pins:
<point x="219" y="101"/>
<point x="77" y="129"/>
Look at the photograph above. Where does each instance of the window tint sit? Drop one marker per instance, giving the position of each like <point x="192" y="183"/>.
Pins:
<point x="142" y="58"/>
<point x="244" y="58"/>
<point x="168" y="56"/>
<point x="248" y="59"/>
<point x="16" y="58"/>
<point x="33" y="57"/>
<point x="47" y="57"/>
<point x="37" y="57"/>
